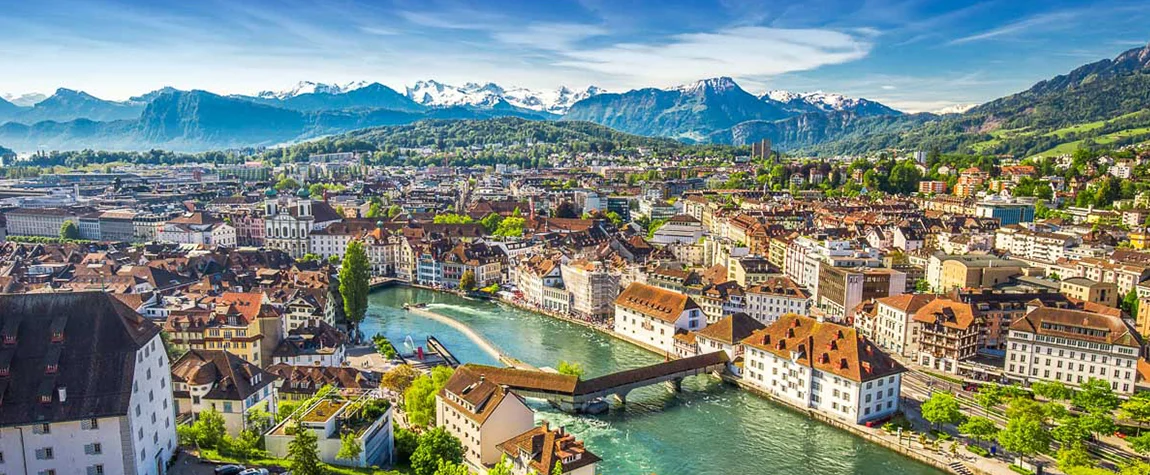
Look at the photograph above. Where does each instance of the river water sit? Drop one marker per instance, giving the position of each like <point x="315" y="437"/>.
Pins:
<point x="709" y="428"/>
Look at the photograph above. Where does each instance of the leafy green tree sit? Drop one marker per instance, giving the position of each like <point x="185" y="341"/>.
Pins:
<point x="394" y="211"/>
<point x="187" y="435"/>
<point x="435" y="446"/>
<point x="1098" y="422"/>
<point x="354" y="283"/>
<point x="1096" y="395"/>
<point x="491" y="222"/>
<point x="467" y="280"/>
<point x="419" y="399"/>
<point x="303" y="453"/>
<point x="1053" y="390"/>
<point x="1130" y="302"/>
<point x="451" y="468"/>
<point x="1141" y="443"/>
<point x="1070" y="431"/>
<point x="287" y="184"/>
<point x="1074" y="456"/>
<point x="922" y="286"/>
<point x="209" y="428"/>
<point x="452" y="218"/>
<point x="558" y="469"/>
<point x="69" y="230"/>
<point x="989" y="395"/>
<point x="570" y="368"/>
<point x="941" y="408"/>
<point x="406" y="442"/>
<point x="980" y="429"/>
<point x="399" y="378"/>
<point x="349" y="448"/>
<point x="315" y="191"/>
<point x="501" y="468"/>
<point x="1025" y="436"/>
<point x="511" y="227"/>
<point x="1136" y="409"/>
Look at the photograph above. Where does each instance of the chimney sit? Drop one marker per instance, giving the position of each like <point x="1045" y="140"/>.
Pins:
<point x="62" y="392"/>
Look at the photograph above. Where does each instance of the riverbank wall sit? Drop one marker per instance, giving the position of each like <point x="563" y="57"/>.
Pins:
<point x="486" y="345"/>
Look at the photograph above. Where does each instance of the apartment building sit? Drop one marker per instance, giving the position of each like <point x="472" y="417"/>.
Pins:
<point x="242" y="323"/>
<point x="197" y="228"/>
<point x="1104" y="293"/>
<point x="775" y="297"/>
<point x="541" y="448"/>
<point x="1034" y="245"/>
<point x="593" y="289"/>
<point x="86" y="387"/>
<point x="219" y="381"/>
<point x="482" y="414"/>
<point x="823" y="366"/>
<point x="946" y="333"/>
<point x="45" y="222"/>
<point x="1073" y="346"/>
<point x="841" y="289"/>
<point x="894" y="322"/>
<point x="650" y="316"/>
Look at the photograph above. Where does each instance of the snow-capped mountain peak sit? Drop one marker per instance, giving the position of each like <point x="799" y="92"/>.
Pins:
<point x="955" y="109"/>
<point x="309" y="87"/>
<point x="433" y="93"/>
<point x="783" y="96"/>
<point x="827" y="102"/>
<point x="719" y="85"/>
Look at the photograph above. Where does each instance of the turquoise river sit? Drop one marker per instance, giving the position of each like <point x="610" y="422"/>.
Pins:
<point x="709" y="428"/>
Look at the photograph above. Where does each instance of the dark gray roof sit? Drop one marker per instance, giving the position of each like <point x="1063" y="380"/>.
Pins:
<point x="90" y="337"/>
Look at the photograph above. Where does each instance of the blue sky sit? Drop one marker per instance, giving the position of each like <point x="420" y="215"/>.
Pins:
<point x="914" y="55"/>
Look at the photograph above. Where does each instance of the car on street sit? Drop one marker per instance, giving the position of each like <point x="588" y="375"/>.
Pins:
<point x="229" y="470"/>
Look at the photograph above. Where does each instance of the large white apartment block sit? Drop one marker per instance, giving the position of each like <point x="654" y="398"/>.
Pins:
<point x="593" y="289"/>
<point x="85" y="387"/>
<point x="1073" y="346"/>
<point x="822" y="366"/>
<point x="651" y="316"/>
<point x="1034" y="245"/>
<point x="775" y="297"/>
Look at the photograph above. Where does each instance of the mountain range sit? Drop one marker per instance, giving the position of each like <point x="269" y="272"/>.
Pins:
<point x="1112" y="95"/>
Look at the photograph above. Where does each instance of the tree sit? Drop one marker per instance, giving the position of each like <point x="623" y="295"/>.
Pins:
<point x="1130" y="302"/>
<point x="1095" y="395"/>
<point x="1024" y="436"/>
<point x="1069" y="431"/>
<point x="419" y="399"/>
<point x="1098" y="422"/>
<point x="303" y="453"/>
<point x="989" y="395"/>
<point x="315" y="191"/>
<point x="1141" y="443"/>
<point x="452" y="218"/>
<point x="1053" y="390"/>
<point x="566" y="209"/>
<point x="558" y="469"/>
<point x="406" y="442"/>
<point x="491" y="222"/>
<point x="511" y="227"/>
<point x="922" y="286"/>
<point x="980" y="429"/>
<point x="435" y="446"/>
<point x="570" y="368"/>
<point x="209" y="428"/>
<point x="399" y="378"/>
<point x="941" y="408"/>
<point x="69" y="230"/>
<point x="1136" y="409"/>
<point x="1074" y="456"/>
<point x="467" y="280"/>
<point x="354" y="276"/>
<point x="393" y="211"/>
<point x="501" y="468"/>
<point x="287" y="184"/>
<point x="349" y="448"/>
<point x="451" y="468"/>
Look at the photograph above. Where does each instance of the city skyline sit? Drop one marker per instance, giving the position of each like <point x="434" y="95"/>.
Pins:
<point x="910" y="55"/>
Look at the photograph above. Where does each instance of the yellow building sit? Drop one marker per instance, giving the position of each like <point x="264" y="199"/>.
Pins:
<point x="1139" y="239"/>
<point x="1088" y="290"/>
<point x="980" y="273"/>
<point x="243" y="324"/>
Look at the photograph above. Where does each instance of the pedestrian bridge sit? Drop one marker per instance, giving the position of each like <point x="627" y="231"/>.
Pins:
<point x="572" y="394"/>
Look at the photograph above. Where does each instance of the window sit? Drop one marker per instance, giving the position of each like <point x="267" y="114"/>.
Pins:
<point x="44" y="454"/>
<point x="42" y="429"/>
<point x="90" y="424"/>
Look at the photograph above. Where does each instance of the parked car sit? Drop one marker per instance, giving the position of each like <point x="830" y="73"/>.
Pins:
<point x="229" y="469"/>
<point x="255" y="471"/>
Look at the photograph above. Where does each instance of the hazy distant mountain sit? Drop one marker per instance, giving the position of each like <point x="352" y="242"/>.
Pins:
<point x="67" y="104"/>
<point x="688" y="112"/>
<point x="434" y="93"/>
<point x="24" y="100"/>
<point x="308" y="87"/>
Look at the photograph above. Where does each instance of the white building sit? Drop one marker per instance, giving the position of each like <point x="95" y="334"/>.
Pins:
<point x="593" y="289"/>
<point x="1073" y="346"/>
<point x="197" y="228"/>
<point x="87" y="388"/>
<point x="1034" y="245"/>
<point x="775" y="297"/>
<point x="894" y="321"/>
<point x="225" y="383"/>
<point x="651" y="315"/>
<point x="823" y="366"/>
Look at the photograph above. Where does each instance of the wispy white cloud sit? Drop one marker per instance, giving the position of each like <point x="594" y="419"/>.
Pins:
<point x="379" y="31"/>
<point x="1037" y="21"/>
<point x="550" y="36"/>
<point x="737" y="52"/>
